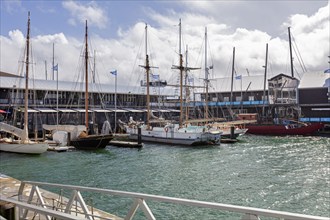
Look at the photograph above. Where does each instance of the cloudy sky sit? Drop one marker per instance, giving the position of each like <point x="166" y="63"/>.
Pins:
<point x="117" y="32"/>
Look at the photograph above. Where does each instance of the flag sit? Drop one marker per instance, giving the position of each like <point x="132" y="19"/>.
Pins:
<point x="55" y="68"/>
<point x="114" y="72"/>
<point x="155" y="77"/>
<point x="238" y="77"/>
<point x="327" y="71"/>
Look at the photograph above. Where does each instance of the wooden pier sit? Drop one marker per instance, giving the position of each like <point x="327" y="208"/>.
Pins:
<point x="128" y="144"/>
<point x="122" y="140"/>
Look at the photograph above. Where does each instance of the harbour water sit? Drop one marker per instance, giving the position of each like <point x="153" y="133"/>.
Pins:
<point x="280" y="173"/>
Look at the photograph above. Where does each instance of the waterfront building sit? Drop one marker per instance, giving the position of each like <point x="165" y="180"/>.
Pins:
<point x="47" y="98"/>
<point x="310" y="93"/>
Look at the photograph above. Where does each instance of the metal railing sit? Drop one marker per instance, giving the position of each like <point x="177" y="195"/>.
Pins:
<point x="139" y="201"/>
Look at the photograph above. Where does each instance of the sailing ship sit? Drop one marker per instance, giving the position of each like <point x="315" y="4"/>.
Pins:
<point x="169" y="132"/>
<point x="86" y="141"/>
<point x="282" y="126"/>
<point x="80" y="135"/>
<point x="288" y="127"/>
<point x="225" y="128"/>
<point x="23" y="144"/>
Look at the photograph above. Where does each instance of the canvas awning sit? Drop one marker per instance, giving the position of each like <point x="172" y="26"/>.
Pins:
<point x="47" y="110"/>
<point x="174" y="110"/>
<point x="134" y="110"/>
<point x="30" y="110"/>
<point x="101" y="110"/>
<point x="119" y="110"/>
<point x="82" y="110"/>
<point x="164" y="110"/>
<point x="66" y="110"/>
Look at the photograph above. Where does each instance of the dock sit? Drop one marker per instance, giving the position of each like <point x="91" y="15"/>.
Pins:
<point x="228" y="140"/>
<point x="128" y="144"/>
<point x="60" y="148"/>
<point x="122" y="140"/>
<point x="9" y="190"/>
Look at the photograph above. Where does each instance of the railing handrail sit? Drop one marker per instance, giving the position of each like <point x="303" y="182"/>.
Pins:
<point x="189" y="202"/>
<point x="41" y="210"/>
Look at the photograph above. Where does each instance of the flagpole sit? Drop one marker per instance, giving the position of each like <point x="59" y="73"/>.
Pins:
<point x="53" y="62"/>
<point x="241" y="93"/>
<point x="57" y="96"/>
<point x="115" y="102"/>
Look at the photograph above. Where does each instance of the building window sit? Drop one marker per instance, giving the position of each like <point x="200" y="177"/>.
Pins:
<point x="226" y="99"/>
<point x="251" y="98"/>
<point x="238" y="98"/>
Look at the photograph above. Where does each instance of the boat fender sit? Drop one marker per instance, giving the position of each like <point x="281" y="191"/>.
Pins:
<point x="166" y="129"/>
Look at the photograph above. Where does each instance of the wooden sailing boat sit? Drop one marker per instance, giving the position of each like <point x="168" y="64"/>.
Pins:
<point x="224" y="128"/>
<point x="86" y="141"/>
<point x="283" y="126"/>
<point x="172" y="133"/>
<point x="24" y="144"/>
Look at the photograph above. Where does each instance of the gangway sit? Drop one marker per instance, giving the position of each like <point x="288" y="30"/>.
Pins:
<point x="33" y="200"/>
<point x="11" y="129"/>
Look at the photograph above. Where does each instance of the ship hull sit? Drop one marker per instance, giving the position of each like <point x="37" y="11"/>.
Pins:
<point x="24" y="148"/>
<point x="92" y="142"/>
<point x="260" y="129"/>
<point x="173" y="135"/>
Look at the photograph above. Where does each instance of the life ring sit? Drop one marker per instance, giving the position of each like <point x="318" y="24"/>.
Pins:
<point x="166" y="129"/>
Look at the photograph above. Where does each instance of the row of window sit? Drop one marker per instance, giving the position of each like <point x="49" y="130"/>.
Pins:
<point x="238" y="99"/>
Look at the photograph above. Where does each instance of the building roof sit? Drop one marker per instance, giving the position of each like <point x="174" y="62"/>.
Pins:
<point x="308" y="80"/>
<point x="224" y="84"/>
<point x="252" y="83"/>
<point x="315" y="80"/>
<point x="282" y="75"/>
<point x="51" y="85"/>
<point x="8" y="74"/>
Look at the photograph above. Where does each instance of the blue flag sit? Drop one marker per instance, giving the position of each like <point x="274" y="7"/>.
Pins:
<point x="238" y="77"/>
<point x="55" y="68"/>
<point x="114" y="72"/>
<point x="155" y="77"/>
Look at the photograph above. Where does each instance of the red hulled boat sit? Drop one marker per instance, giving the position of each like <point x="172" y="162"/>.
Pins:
<point x="282" y="129"/>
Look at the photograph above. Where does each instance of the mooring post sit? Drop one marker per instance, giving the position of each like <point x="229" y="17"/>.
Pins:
<point x="69" y="139"/>
<point x="232" y="132"/>
<point x="139" y="135"/>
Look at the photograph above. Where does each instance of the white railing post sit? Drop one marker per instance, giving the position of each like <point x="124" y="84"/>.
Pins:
<point x="139" y="201"/>
<point x="132" y="210"/>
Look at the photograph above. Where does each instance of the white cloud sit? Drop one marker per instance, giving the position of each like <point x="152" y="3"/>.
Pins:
<point x="307" y="24"/>
<point x="56" y="38"/>
<point x="312" y="36"/>
<point x="127" y="51"/>
<point x="12" y="6"/>
<point x="17" y="37"/>
<point x="90" y="12"/>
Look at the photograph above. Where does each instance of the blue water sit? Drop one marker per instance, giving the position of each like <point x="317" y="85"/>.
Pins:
<point x="280" y="173"/>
